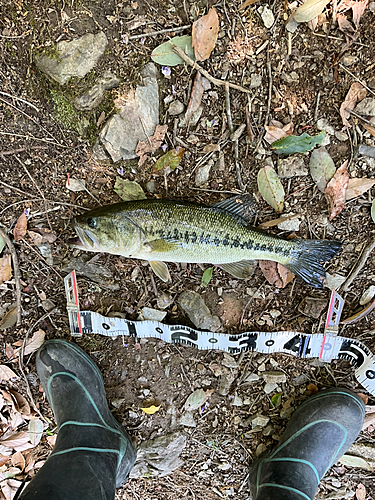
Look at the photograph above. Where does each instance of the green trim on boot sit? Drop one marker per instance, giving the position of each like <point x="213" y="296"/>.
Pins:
<point x="319" y="432"/>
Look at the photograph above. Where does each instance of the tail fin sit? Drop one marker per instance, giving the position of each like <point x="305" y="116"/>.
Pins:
<point x="307" y="259"/>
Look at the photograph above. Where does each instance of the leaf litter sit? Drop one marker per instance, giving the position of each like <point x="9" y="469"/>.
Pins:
<point x="204" y="33"/>
<point x="336" y="191"/>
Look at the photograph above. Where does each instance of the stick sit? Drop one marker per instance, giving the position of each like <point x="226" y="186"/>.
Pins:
<point x="161" y="32"/>
<point x="360" y="118"/>
<point x="356" y="78"/>
<point x="19" y="99"/>
<point x="357" y="268"/>
<point x="235" y="142"/>
<point x="17" y="274"/>
<point x="194" y="64"/>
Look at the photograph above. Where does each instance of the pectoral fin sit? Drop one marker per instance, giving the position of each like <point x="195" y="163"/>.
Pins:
<point x="160" y="269"/>
<point x="162" y="245"/>
<point x="241" y="270"/>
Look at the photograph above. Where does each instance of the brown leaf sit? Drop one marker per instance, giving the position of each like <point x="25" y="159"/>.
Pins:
<point x="276" y="274"/>
<point x="336" y="191"/>
<point x="370" y="128"/>
<point x="358" y="7"/>
<point x="42" y="235"/>
<point x="356" y="187"/>
<point x="364" y="397"/>
<point x="18" y="460"/>
<point x="18" y="441"/>
<point x="3" y="460"/>
<point x="356" y="93"/>
<point x="276" y="130"/>
<point x="21" y="404"/>
<point x="204" y="33"/>
<point x="34" y="343"/>
<point x="360" y="492"/>
<point x="249" y="128"/>
<point x="51" y="440"/>
<point x="9" y="488"/>
<point x="20" y="228"/>
<point x="5" y="268"/>
<point x="151" y="145"/>
<point x="9" y="319"/>
<point x="6" y="373"/>
<point x="199" y="87"/>
<point x="345" y="26"/>
<point x="247" y="3"/>
<point x="211" y="148"/>
<point x="9" y="352"/>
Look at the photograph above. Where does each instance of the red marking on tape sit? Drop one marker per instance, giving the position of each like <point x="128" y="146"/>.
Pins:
<point x="75" y="291"/>
<point x="322" y="348"/>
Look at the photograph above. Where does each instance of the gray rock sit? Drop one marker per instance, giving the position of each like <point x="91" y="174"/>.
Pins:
<point x="203" y="173"/>
<point x="237" y="401"/>
<point x="225" y="381"/>
<point x="46" y="251"/>
<point x="194" y="119"/>
<point x="274" y="377"/>
<point x="94" y="96"/>
<point x="255" y="80"/>
<point x="187" y="420"/>
<point x="228" y="361"/>
<point x="270" y="387"/>
<point x="323" y="124"/>
<point x="312" y="307"/>
<point x="267" y="16"/>
<point x="149" y="314"/>
<point x="73" y="59"/>
<point x="163" y="301"/>
<point x="366" y="107"/>
<point x="334" y="281"/>
<point x="293" y="166"/>
<point x="139" y="114"/>
<point x="99" y="152"/>
<point x="292" y="26"/>
<point x="290" y="225"/>
<point x="259" y="421"/>
<point x="159" y="456"/>
<point x="93" y="271"/>
<point x="199" y="314"/>
<point x="341" y="136"/>
<point x="176" y="108"/>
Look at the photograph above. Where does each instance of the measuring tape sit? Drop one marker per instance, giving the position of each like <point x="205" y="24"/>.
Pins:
<point x="325" y="346"/>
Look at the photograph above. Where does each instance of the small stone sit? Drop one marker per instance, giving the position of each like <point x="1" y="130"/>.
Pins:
<point x="312" y="307"/>
<point x="149" y="314"/>
<point x="252" y="377"/>
<point x="228" y="361"/>
<point x="367" y="295"/>
<point x="194" y="306"/>
<point x="326" y="141"/>
<point x="142" y="380"/>
<point x="334" y="281"/>
<point x="151" y="186"/>
<point x="261" y="448"/>
<point x="293" y="166"/>
<point x="267" y="16"/>
<point x="176" y="108"/>
<point x="237" y="401"/>
<point x="117" y="402"/>
<point x="323" y="124"/>
<point x="286" y="412"/>
<point x="94" y="96"/>
<point x="203" y="173"/>
<point x="270" y="387"/>
<point x="290" y="225"/>
<point x="348" y="59"/>
<point x="341" y="136"/>
<point x="255" y="80"/>
<point x="366" y="107"/>
<point x="163" y="301"/>
<point x="133" y="415"/>
<point x="259" y="421"/>
<point x="274" y="377"/>
<point x="224" y="466"/>
<point x="187" y="420"/>
<point x="269" y="430"/>
<point x="301" y="379"/>
<point x="146" y="392"/>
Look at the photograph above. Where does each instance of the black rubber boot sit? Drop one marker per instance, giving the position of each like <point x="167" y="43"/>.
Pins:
<point x="320" y="431"/>
<point x="93" y="454"/>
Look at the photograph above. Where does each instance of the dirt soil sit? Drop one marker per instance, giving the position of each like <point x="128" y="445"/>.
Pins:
<point x="39" y="150"/>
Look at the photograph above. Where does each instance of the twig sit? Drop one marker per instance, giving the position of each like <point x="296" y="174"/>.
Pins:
<point x="356" y="78"/>
<point x="317" y="107"/>
<point x="43" y="259"/>
<point x="161" y="32"/>
<point x="227" y="107"/>
<point x="235" y="142"/>
<point x="269" y="68"/>
<point x="355" y="271"/>
<point x="17" y="274"/>
<point x="360" y="118"/>
<point x="205" y="73"/>
<point x="19" y="99"/>
<point x="34" y="138"/>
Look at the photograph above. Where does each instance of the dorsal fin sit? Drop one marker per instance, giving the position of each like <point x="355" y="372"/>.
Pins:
<point x="242" y="206"/>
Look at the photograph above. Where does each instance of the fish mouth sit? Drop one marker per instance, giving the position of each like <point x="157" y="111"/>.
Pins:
<point x="85" y="239"/>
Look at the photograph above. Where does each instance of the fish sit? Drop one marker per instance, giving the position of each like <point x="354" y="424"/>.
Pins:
<point x="160" y="231"/>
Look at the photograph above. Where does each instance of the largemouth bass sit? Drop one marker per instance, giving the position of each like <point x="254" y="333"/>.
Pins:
<point x="177" y="231"/>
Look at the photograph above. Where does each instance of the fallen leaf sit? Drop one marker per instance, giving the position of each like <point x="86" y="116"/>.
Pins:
<point x="3" y="460"/>
<point x="41" y="235"/>
<point x="364" y="397"/>
<point x="276" y="398"/>
<point x="207" y="275"/>
<point x="6" y="373"/>
<point x="275" y="133"/>
<point x="356" y="93"/>
<point x="309" y="10"/>
<point x="360" y="492"/>
<point x="336" y="191"/>
<point x="204" y="34"/>
<point x="21" y="404"/>
<point x="352" y="461"/>
<point x="276" y="222"/>
<point x="313" y="388"/>
<point x="171" y="159"/>
<point x="128" y="190"/>
<point x="369" y="418"/>
<point x="18" y="460"/>
<point x="370" y="128"/>
<point x="247" y="3"/>
<point x="276" y="274"/>
<point x="20" y="228"/>
<point x="34" y="343"/>
<point x="345" y="26"/>
<point x="271" y="189"/>
<point x="18" y="441"/>
<point x="5" y="268"/>
<point x="322" y="168"/>
<point x="51" y="440"/>
<point x="10" y="487"/>
<point x="297" y="144"/>
<point x="10" y="318"/>
<point x="211" y="148"/>
<point x="165" y="56"/>
<point x="35" y="429"/>
<point x="151" y="145"/>
<point x="200" y="85"/>
<point x="358" y="7"/>
<point x="150" y="410"/>
<point x="197" y="399"/>
<point x="356" y="187"/>
<point x="75" y="185"/>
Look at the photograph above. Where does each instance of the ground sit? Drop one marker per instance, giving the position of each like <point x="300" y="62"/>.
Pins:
<point x="40" y="148"/>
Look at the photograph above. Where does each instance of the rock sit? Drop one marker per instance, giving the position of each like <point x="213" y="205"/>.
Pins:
<point x="301" y="380"/>
<point x="323" y="124"/>
<point x="261" y="448"/>
<point x="225" y="381"/>
<point x="176" y="108"/>
<point x="259" y="421"/>
<point x="312" y="307"/>
<point x="334" y="281"/>
<point x="270" y="387"/>
<point x="194" y="119"/>
<point x="367" y="295"/>
<point x="99" y="152"/>
<point x="267" y="16"/>
<point x="73" y="59"/>
<point x="292" y="25"/>
<point x="341" y="136"/>
<point x="199" y="314"/>
<point x="228" y="361"/>
<point x="237" y="401"/>
<point x="366" y="107"/>
<point x="93" y="271"/>
<point x="163" y="301"/>
<point x="252" y="377"/>
<point x="159" y="456"/>
<point x="269" y="430"/>
<point x="139" y="114"/>
<point x="187" y="420"/>
<point x="293" y="166"/>
<point x="286" y="412"/>
<point x="348" y="59"/>
<point x="149" y="314"/>
<point x="255" y="80"/>
<point x="46" y="251"/>
<point x="203" y="173"/>
<point x="274" y="377"/>
<point x="94" y="96"/>
<point x="290" y="225"/>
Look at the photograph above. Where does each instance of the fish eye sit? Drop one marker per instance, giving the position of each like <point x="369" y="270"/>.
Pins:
<point x="91" y="222"/>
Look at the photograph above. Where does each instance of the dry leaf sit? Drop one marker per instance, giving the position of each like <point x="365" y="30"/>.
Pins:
<point x="353" y="461"/>
<point x="35" y="431"/>
<point x="151" y="145"/>
<point x="247" y="3"/>
<point x="363" y="397"/>
<point x="51" y="440"/>
<point x="356" y="93"/>
<point x="75" y="185"/>
<point x="21" y="404"/>
<point x="204" y="33"/>
<point x="336" y="191"/>
<point x="6" y="373"/>
<point x="10" y="487"/>
<point x="3" y="460"/>
<point x="9" y="352"/>
<point x="150" y="410"/>
<point x="356" y="187"/>
<point x="309" y="10"/>
<point x="276" y="274"/>
<point x="18" y="460"/>
<point x="370" y="128"/>
<point x="10" y="318"/>
<point x="358" y="7"/>
<point x="42" y="235"/>
<point x="5" y="268"/>
<point x="200" y="85"/>
<point x="20" y="228"/>
<point x="18" y="441"/>
<point x="276" y="130"/>
<point x="360" y="492"/>
<point x="34" y="343"/>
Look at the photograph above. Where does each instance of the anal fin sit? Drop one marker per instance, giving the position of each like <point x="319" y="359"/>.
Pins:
<point x="242" y="269"/>
<point x="160" y="269"/>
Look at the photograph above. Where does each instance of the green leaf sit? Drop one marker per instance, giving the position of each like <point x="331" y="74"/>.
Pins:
<point x="275" y="400"/>
<point x="322" y="168"/>
<point x="373" y="210"/>
<point x="171" y="159"/>
<point x="297" y="144"/>
<point x="128" y="190"/>
<point x="270" y="188"/>
<point x="207" y="275"/>
<point x="164" y="55"/>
